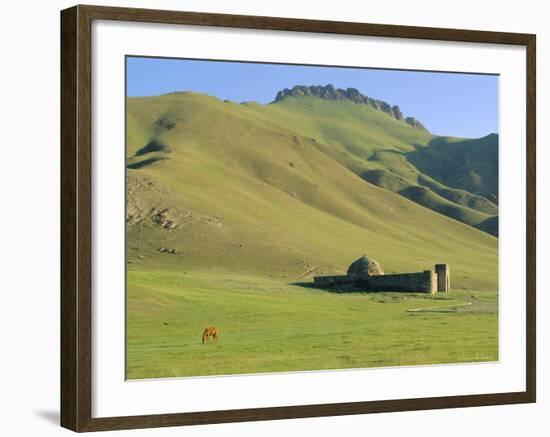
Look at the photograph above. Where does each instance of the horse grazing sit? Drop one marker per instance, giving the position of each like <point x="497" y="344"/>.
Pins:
<point x="211" y="331"/>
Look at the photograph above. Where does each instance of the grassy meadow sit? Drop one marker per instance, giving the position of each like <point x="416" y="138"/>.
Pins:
<point x="269" y="326"/>
<point x="233" y="208"/>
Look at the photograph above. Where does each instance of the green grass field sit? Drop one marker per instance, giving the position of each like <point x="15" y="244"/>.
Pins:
<point x="269" y="326"/>
<point x="229" y="204"/>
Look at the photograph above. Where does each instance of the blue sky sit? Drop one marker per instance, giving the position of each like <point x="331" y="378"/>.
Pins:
<point x="456" y="104"/>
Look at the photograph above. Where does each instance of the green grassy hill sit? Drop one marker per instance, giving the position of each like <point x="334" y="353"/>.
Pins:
<point x="280" y="189"/>
<point x="461" y="176"/>
<point x="233" y="208"/>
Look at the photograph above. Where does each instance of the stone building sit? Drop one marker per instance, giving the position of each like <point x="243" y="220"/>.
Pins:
<point x="367" y="274"/>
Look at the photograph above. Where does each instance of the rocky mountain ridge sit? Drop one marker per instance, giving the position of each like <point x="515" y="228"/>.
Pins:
<point x="329" y="92"/>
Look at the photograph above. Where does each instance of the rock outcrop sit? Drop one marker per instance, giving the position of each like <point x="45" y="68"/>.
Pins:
<point x="414" y="123"/>
<point x="329" y="92"/>
<point x="397" y="113"/>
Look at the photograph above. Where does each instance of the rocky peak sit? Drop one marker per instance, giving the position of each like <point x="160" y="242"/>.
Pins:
<point x="415" y="123"/>
<point x="329" y="92"/>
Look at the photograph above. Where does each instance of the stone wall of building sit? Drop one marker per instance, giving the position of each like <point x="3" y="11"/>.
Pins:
<point x="425" y="282"/>
<point x="419" y="282"/>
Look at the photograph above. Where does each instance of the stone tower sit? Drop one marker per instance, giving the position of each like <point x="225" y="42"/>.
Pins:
<point x="429" y="279"/>
<point x="443" y="273"/>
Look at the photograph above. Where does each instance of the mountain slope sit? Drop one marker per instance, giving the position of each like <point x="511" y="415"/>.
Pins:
<point x="277" y="190"/>
<point x="454" y="171"/>
<point x="470" y="165"/>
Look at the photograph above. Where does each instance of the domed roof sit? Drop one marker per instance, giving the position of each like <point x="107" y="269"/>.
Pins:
<point x="365" y="265"/>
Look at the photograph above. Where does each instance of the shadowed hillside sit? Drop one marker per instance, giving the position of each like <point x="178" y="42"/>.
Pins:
<point x="470" y="165"/>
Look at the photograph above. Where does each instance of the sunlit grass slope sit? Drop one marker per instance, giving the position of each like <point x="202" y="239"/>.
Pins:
<point x="254" y="192"/>
<point x="460" y="176"/>
<point x="230" y="205"/>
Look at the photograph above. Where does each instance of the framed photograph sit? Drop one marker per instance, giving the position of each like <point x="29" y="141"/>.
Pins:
<point x="268" y="218"/>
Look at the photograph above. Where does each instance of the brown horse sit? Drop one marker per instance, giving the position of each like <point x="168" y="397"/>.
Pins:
<point x="211" y="331"/>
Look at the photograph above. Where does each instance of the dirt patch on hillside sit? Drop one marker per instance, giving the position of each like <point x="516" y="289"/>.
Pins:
<point x="143" y="184"/>
<point x="149" y="203"/>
